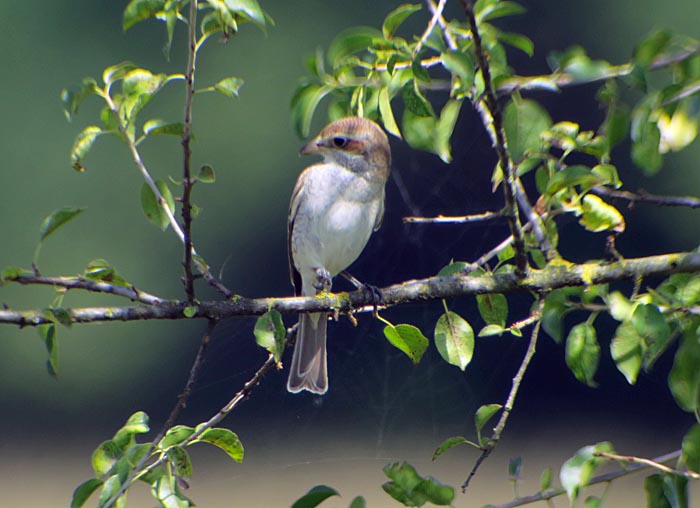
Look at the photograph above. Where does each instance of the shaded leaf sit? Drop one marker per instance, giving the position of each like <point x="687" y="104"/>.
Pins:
<point x="444" y="128"/>
<point x="626" y="349"/>
<point x="523" y="121"/>
<point x="415" y="102"/>
<point x="451" y="443"/>
<point x="57" y="219"/>
<point x="651" y="47"/>
<point x="206" y="174"/>
<point x="483" y="415"/>
<point x="411" y="489"/>
<point x="351" y="41"/>
<point x="459" y="64"/>
<point x="104" y="457"/>
<point x="48" y="335"/>
<point x="572" y="176"/>
<point x="315" y="497"/>
<point x="691" y="448"/>
<point x="101" y="270"/>
<point x="304" y="104"/>
<point x="493" y="308"/>
<point x="180" y="460"/>
<point x="83" y="492"/>
<point x="407" y="338"/>
<point x="583" y="353"/>
<point x="175" y="436"/>
<point x="684" y="378"/>
<point x="152" y="207"/>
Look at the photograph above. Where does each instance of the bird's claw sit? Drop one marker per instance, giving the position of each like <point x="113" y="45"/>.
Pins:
<point x="323" y="279"/>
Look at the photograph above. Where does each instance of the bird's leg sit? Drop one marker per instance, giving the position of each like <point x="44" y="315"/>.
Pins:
<point x="374" y="291"/>
<point x="323" y="280"/>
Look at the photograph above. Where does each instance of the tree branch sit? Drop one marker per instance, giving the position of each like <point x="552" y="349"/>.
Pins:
<point x="462" y="219"/>
<point x="644" y="197"/>
<point x="515" y="387"/>
<point x="553" y="276"/>
<point x="603" y="478"/>
<point x="651" y="463"/>
<point x="493" y="121"/>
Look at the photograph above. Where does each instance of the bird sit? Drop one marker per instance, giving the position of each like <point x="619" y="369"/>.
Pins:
<point x="335" y="207"/>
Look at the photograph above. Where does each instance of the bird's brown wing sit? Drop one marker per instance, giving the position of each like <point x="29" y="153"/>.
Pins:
<point x="297" y="197"/>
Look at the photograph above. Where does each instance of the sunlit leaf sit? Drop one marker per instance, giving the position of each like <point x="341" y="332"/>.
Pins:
<point x="597" y="215"/>
<point x="411" y="489"/>
<point x="578" y="470"/>
<point x="180" y="460"/>
<point x="493" y="308"/>
<point x="141" y="10"/>
<point x="407" y="338"/>
<point x="387" y="114"/>
<point x="57" y="219"/>
<point x="225" y="440"/>
<point x="394" y="19"/>
<point x="158" y="126"/>
<point x="626" y="349"/>
<point x="175" y="436"/>
<point x="152" y="207"/>
<point x="270" y="333"/>
<point x="454" y="339"/>
<point x="82" y="145"/>
<point x="583" y="353"/>
<point x="229" y="86"/>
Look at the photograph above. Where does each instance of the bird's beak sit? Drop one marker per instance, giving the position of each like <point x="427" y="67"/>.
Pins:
<point x="310" y="148"/>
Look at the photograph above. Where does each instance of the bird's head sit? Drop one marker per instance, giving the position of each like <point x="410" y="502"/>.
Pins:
<point x="357" y="143"/>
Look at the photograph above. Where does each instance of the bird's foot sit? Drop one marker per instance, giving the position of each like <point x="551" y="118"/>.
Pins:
<point x="323" y="280"/>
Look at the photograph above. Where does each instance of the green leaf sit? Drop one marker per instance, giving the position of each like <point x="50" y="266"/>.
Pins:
<point x="608" y="174"/>
<point x="415" y="102"/>
<point x="654" y="487"/>
<point x="387" y="114"/>
<point x="575" y="62"/>
<point x="515" y="467"/>
<point x="684" y="378"/>
<point x="83" y="492"/>
<point x="408" y="339"/>
<point x="270" y="333"/>
<point x="137" y="423"/>
<point x="165" y="490"/>
<point x="190" y="311"/>
<point x="394" y="19"/>
<point x="454" y="339"/>
<point x="490" y="330"/>
<point x="48" y="334"/>
<point x="620" y="307"/>
<point x="651" y="47"/>
<point x="111" y="486"/>
<point x="485" y="10"/>
<point x="420" y="73"/>
<point x="56" y="219"/>
<point x="518" y="41"/>
<point x="459" y="64"/>
<point x="229" y="86"/>
<point x="646" y="148"/>
<point x="250" y="9"/>
<point x="117" y="72"/>
<point x="411" y="489"/>
<point x="523" y="121"/>
<point x="483" y="415"/>
<point x="583" y="353"/>
<point x="104" y="457"/>
<point x="152" y="208"/>
<point x="599" y="216"/>
<point x="451" y="443"/>
<point x="351" y="41"/>
<point x="206" y="174"/>
<point x="163" y="127"/>
<point x="553" y="314"/>
<point x="652" y="326"/>
<point x="444" y="128"/>
<point x="175" y="436"/>
<point x="691" y="448"/>
<point x="82" y="145"/>
<point x="180" y="459"/>
<point x="101" y="270"/>
<point x="224" y="439"/>
<point x="454" y="268"/>
<point x="570" y="177"/>
<point x="315" y="497"/>
<point x="493" y="308"/>
<point x="72" y="100"/>
<point x="546" y="479"/>
<point x="358" y="502"/>
<point x="676" y="490"/>
<point x="626" y="349"/>
<point x="304" y="104"/>
<point x="578" y="470"/>
<point x="12" y="273"/>
<point x="141" y="10"/>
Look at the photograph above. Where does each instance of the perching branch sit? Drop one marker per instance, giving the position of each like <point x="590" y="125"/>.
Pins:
<point x="462" y="219"/>
<point x="648" y="462"/>
<point x="510" y="401"/>
<point x="603" y="478"/>
<point x="555" y="275"/>
<point x="493" y="121"/>
<point x="644" y="197"/>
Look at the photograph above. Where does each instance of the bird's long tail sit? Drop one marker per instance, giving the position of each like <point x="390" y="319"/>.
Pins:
<point x="308" y="370"/>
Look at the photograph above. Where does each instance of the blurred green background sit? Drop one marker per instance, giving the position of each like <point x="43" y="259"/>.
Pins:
<point x="379" y="406"/>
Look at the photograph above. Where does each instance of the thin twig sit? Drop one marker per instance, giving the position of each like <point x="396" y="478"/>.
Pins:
<point x="446" y="33"/>
<point x="437" y="13"/>
<point x="174" y="413"/>
<point x="510" y="401"/>
<point x="130" y="292"/>
<point x="645" y="197"/>
<point x="463" y="219"/>
<point x="534" y="220"/>
<point x="187" y="152"/>
<point x="649" y="462"/>
<point x="492" y="117"/>
<point x="603" y="478"/>
<point x="552" y="276"/>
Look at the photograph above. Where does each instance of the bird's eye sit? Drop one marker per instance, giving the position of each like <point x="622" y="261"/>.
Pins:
<point x="340" y="142"/>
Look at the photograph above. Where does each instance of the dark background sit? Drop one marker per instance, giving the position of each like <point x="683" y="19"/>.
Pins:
<point x="379" y="407"/>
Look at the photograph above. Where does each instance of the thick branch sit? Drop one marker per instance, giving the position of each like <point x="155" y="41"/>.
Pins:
<point x="555" y="275"/>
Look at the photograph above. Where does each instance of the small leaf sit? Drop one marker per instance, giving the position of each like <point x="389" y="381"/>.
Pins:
<point x="206" y="174"/>
<point x="626" y="349"/>
<point x="459" y="64"/>
<point x="48" y="334"/>
<point x="523" y="121"/>
<point x="163" y="127"/>
<point x="652" y="326"/>
<point x="651" y="47"/>
<point x="454" y="339"/>
<point x="117" y="72"/>
<point x="180" y="459"/>
<point x="190" y="311"/>
<point x="444" y="128"/>
<point x="175" y="436"/>
<point x="270" y="333"/>
<point x="82" y="144"/>
<point x="104" y="457"/>
<point x="351" y="41"/>
<point x="515" y="467"/>
<point x="315" y="497"/>
<point x="684" y="378"/>
<point x="141" y="10"/>
<point x="394" y="19"/>
<point x="83" y="492"/>
<point x="553" y="315"/>
<point x="490" y="330"/>
<point x="546" y="479"/>
<point x="646" y="148"/>
<point x="408" y="339"/>
<point x="485" y="11"/>
<point x="454" y="268"/>
<point x="304" y="103"/>
<point x="420" y="73"/>
<point x="111" y="486"/>
<point x="583" y="353"/>
<point x="251" y="9"/>
<point x="578" y="470"/>
<point x="600" y="216"/>
<point x="518" y="41"/>
<point x="57" y="219"/>
<point x="415" y="102"/>
<point x="572" y="176"/>
<point x="225" y="440"/>
<point x="411" y="489"/>
<point x="451" y="442"/>
<point x="152" y="208"/>
<point x="358" y="502"/>
<point x="493" y="308"/>
<point x="691" y="448"/>
<point x="229" y="86"/>
<point x="101" y="270"/>
<point x="483" y="415"/>
<point x="654" y="487"/>
<point x="387" y="114"/>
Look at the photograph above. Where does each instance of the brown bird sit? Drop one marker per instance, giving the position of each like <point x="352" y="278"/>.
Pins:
<point x="335" y="207"/>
